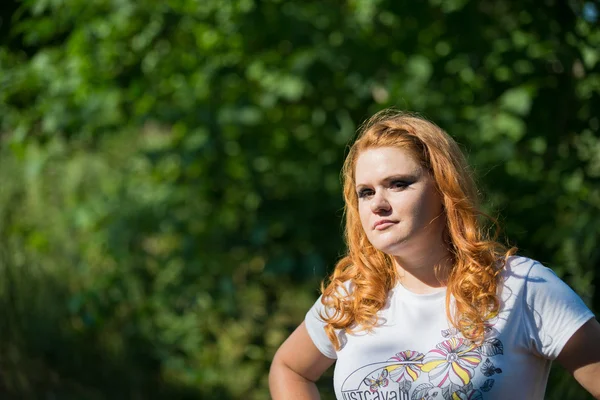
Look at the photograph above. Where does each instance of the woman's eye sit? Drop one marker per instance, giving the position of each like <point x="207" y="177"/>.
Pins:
<point x="365" y="193"/>
<point x="400" y="184"/>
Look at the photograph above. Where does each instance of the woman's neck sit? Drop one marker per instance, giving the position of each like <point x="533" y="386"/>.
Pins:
<point x="426" y="271"/>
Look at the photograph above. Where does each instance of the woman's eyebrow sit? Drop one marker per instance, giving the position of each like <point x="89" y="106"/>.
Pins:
<point x="391" y="178"/>
<point x="401" y="177"/>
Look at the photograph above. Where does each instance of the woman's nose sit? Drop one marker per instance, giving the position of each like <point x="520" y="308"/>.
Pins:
<point x="379" y="203"/>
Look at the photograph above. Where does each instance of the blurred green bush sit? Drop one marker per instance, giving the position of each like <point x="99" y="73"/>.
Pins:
<point x="107" y="296"/>
<point x="169" y="172"/>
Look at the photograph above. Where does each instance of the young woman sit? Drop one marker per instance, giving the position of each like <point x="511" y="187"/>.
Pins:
<point x="425" y="305"/>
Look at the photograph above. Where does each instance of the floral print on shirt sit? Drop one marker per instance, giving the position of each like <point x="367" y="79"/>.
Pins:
<point x="449" y="369"/>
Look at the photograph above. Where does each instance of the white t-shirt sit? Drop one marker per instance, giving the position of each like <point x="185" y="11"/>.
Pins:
<point x="415" y="354"/>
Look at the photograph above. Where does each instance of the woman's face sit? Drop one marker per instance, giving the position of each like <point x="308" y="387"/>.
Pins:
<point x="399" y="206"/>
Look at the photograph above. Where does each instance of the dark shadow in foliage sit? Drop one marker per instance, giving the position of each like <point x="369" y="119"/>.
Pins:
<point x="40" y="357"/>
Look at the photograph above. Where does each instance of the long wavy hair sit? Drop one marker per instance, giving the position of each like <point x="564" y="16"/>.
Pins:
<point x="359" y="286"/>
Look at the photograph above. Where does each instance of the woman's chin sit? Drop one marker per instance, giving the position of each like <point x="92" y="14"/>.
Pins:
<point x="392" y="248"/>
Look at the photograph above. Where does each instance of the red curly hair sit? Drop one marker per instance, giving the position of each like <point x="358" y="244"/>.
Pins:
<point x="477" y="259"/>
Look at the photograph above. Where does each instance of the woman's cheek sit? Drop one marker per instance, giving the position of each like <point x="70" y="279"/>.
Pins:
<point x="364" y="215"/>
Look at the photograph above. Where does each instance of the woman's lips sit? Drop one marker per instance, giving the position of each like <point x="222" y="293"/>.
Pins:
<point x="383" y="224"/>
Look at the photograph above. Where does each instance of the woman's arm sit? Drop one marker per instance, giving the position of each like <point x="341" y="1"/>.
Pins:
<point x="296" y="367"/>
<point x="581" y="356"/>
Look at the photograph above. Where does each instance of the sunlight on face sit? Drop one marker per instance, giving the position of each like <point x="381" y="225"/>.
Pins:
<point x="398" y="203"/>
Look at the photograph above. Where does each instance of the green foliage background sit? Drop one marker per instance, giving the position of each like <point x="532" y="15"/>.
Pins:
<point x="169" y="171"/>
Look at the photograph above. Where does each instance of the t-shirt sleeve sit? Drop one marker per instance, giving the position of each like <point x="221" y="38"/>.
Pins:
<point x="554" y="312"/>
<point x="316" y="329"/>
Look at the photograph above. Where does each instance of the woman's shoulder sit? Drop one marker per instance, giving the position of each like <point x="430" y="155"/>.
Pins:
<point x="519" y="269"/>
<point x="518" y="265"/>
<point x="524" y="271"/>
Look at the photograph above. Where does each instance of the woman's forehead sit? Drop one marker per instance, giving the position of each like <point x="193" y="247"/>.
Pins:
<point x="384" y="161"/>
